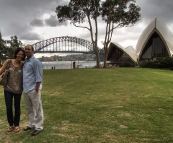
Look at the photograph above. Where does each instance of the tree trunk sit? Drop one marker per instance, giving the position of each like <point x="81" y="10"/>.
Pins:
<point x="105" y="55"/>
<point x="97" y="58"/>
<point x="105" y="59"/>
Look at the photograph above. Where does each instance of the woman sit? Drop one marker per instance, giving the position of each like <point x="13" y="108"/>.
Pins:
<point x="14" y="88"/>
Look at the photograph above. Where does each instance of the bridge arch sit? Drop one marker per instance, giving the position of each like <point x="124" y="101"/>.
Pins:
<point x="64" y="44"/>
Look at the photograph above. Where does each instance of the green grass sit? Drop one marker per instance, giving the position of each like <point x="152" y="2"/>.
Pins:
<point x="118" y="105"/>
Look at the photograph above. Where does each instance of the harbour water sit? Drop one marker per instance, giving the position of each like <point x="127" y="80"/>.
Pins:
<point x="68" y="64"/>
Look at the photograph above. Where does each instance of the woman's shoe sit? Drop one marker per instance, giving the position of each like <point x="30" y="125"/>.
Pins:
<point x="16" y="129"/>
<point x="10" y="129"/>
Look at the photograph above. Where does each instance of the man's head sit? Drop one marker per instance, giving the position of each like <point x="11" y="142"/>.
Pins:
<point x="29" y="51"/>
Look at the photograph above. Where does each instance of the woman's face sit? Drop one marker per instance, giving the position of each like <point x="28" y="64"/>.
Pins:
<point x="20" y="56"/>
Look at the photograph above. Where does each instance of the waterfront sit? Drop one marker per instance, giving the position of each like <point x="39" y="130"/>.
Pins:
<point x="68" y="64"/>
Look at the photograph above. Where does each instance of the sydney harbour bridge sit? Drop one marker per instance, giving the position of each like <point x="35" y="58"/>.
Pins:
<point x="64" y="44"/>
<point x="68" y="45"/>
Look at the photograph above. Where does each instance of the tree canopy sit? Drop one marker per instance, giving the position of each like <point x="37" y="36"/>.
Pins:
<point x="7" y="47"/>
<point x="115" y="14"/>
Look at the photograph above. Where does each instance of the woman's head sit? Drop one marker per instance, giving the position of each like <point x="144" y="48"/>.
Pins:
<point x="20" y="54"/>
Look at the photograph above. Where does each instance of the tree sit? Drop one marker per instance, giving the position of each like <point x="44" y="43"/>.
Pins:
<point x="112" y="12"/>
<point x="2" y="49"/>
<point x="12" y="45"/>
<point x="117" y="14"/>
<point x="7" y="47"/>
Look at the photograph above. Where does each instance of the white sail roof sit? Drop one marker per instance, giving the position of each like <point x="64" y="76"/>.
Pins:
<point x="163" y="31"/>
<point x="155" y="26"/>
<point x="128" y="50"/>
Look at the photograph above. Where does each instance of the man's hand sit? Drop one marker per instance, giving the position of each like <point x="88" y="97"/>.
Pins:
<point x="37" y="86"/>
<point x="36" y="90"/>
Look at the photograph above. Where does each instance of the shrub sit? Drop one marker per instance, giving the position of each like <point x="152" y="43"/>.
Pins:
<point x="165" y="62"/>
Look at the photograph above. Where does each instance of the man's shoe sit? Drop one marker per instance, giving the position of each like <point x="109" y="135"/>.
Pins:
<point x="27" y="128"/>
<point x="35" y="132"/>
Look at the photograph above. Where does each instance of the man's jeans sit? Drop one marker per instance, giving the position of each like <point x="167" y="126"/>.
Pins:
<point x="13" y="120"/>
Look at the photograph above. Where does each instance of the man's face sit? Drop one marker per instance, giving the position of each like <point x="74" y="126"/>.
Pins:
<point x="28" y="51"/>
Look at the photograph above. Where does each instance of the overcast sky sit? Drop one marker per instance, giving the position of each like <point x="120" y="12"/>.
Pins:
<point x="35" y="20"/>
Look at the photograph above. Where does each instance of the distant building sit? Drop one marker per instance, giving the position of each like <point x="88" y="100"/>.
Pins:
<point x="155" y="41"/>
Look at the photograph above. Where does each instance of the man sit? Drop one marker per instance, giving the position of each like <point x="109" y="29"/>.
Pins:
<point x="32" y="85"/>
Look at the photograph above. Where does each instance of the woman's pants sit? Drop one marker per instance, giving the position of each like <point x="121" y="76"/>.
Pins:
<point x="13" y="120"/>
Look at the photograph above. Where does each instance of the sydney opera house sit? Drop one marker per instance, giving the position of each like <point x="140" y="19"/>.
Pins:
<point x="155" y="41"/>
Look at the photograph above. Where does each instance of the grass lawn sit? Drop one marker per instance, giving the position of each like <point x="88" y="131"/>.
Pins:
<point x="118" y="105"/>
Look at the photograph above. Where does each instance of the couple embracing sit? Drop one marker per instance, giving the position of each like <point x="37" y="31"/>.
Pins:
<point x="25" y="75"/>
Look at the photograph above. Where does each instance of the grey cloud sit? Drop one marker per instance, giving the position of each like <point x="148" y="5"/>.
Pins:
<point x="22" y="31"/>
<point x="30" y="36"/>
<point x="15" y="14"/>
<point x="151" y="9"/>
<point x="37" y="22"/>
<point x="53" y="22"/>
<point x="30" y="6"/>
<point x="20" y="17"/>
